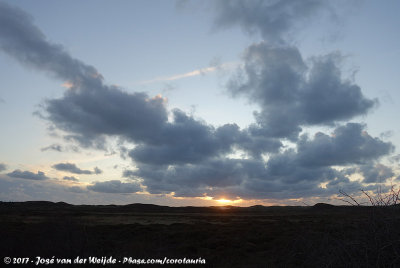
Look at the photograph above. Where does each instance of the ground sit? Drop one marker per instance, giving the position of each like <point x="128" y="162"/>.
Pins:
<point x="316" y="236"/>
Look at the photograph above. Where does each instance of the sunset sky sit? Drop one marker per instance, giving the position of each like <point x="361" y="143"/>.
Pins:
<point x="190" y="102"/>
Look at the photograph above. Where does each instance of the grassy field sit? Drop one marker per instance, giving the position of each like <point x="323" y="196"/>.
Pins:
<point x="318" y="236"/>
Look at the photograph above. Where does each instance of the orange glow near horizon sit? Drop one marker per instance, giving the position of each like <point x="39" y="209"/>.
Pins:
<point x="224" y="201"/>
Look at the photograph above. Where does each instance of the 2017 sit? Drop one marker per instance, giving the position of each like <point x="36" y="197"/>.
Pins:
<point x="20" y="260"/>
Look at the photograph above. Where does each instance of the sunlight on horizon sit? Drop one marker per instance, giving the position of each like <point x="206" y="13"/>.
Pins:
<point x="224" y="201"/>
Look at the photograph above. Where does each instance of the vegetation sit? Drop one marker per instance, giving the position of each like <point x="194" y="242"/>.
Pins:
<point x="318" y="236"/>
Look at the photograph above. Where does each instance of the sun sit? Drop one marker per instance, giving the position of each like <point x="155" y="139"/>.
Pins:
<point x="224" y="201"/>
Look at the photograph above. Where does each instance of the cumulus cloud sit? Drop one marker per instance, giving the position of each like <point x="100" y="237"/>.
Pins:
<point x="83" y="110"/>
<point x="28" y="175"/>
<point x="272" y="19"/>
<point x="376" y="173"/>
<point x="244" y="178"/>
<point x="3" y="167"/>
<point x="288" y="174"/>
<point x="21" y="39"/>
<point x="114" y="186"/>
<point x="190" y="180"/>
<point x="72" y="168"/>
<point x="292" y="94"/>
<point x="349" y="144"/>
<point x="187" y="140"/>
<point x="91" y="110"/>
<point x="91" y="113"/>
<point x="70" y="178"/>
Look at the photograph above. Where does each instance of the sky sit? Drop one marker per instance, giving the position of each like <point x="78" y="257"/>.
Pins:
<point x="279" y="102"/>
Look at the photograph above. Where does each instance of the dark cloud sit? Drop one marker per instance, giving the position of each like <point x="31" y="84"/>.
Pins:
<point x="52" y="147"/>
<point x="288" y="174"/>
<point x="91" y="113"/>
<point x="76" y="189"/>
<point x="272" y="19"/>
<point x="3" y="167"/>
<point x="114" y="186"/>
<point x="28" y="175"/>
<point x="72" y="168"/>
<point x="71" y="178"/>
<point x="21" y="39"/>
<point x="192" y="178"/>
<point x="251" y="140"/>
<point x="90" y="110"/>
<point x="142" y="120"/>
<point x="97" y="171"/>
<point x="187" y="140"/>
<point x="349" y="144"/>
<point x="376" y="173"/>
<point x="282" y="178"/>
<point x="292" y="94"/>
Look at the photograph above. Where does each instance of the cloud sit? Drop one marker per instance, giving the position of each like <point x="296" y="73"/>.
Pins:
<point x="3" y="167"/>
<point x="76" y="189"/>
<point x="52" y="147"/>
<point x="21" y="39"/>
<point x="188" y="179"/>
<point x="274" y="20"/>
<point x="292" y="94"/>
<point x="97" y="171"/>
<point x="15" y="190"/>
<point x="287" y="174"/>
<point x="188" y="140"/>
<point x="185" y="141"/>
<point x="72" y="168"/>
<point x="349" y="144"/>
<point x="28" y="175"/>
<point x="89" y="111"/>
<point x="84" y="114"/>
<point x="244" y="179"/>
<point x="72" y="178"/>
<point x="114" y="186"/>
<point x="376" y="173"/>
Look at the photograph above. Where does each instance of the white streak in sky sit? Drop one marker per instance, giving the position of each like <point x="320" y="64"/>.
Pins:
<point x="202" y="71"/>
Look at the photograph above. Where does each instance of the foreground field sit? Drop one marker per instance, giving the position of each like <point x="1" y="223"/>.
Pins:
<point x="319" y="236"/>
